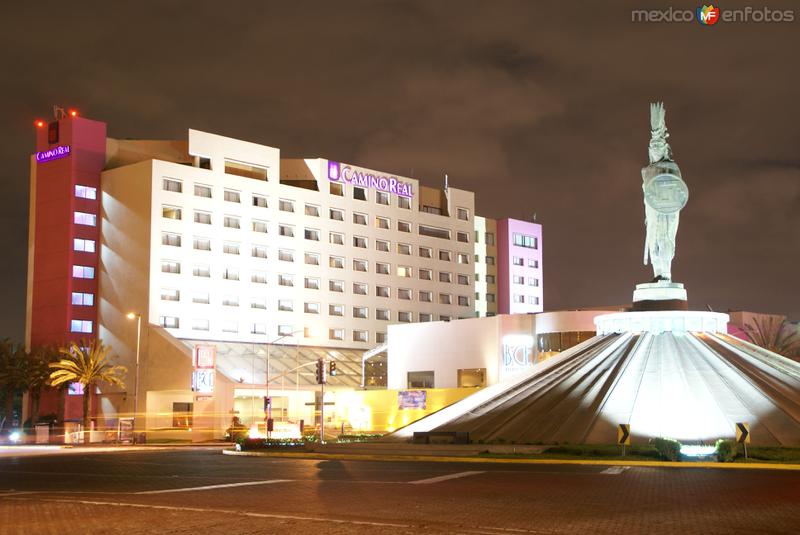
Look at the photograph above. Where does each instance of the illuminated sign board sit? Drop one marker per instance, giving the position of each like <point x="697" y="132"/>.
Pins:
<point x="62" y="151"/>
<point x="205" y="357"/>
<point x="203" y="381"/>
<point x="412" y="399"/>
<point x="364" y="178"/>
<point x="517" y="352"/>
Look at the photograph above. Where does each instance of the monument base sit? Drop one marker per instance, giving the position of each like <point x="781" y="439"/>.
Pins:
<point x="661" y="295"/>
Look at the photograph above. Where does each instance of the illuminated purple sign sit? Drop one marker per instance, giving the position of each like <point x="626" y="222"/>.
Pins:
<point x="55" y="153"/>
<point x="342" y="172"/>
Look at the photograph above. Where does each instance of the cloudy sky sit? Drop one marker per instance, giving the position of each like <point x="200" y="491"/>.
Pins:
<point x="537" y="107"/>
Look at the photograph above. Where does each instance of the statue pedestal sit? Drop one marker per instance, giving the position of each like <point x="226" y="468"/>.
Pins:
<point x="661" y="295"/>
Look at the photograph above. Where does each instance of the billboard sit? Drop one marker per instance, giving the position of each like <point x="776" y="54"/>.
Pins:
<point x="412" y="399"/>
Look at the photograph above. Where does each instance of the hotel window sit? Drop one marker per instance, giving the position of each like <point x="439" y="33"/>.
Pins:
<point x="463" y="301"/>
<point x="259" y="303"/>
<point x="83" y="272"/>
<point x="258" y="328"/>
<point x="425" y="252"/>
<point x="533" y="281"/>
<point x="517" y="261"/>
<point x="200" y="325"/>
<point x="359" y="219"/>
<point x="258" y="251"/>
<point x="360" y="194"/>
<point x="359" y="288"/>
<point x="285" y="255"/>
<point x="360" y="336"/>
<point x="311" y="210"/>
<point x="248" y="170"/>
<point x="477" y="258"/>
<point x="86" y="246"/>
<point x="463" y="237"/>
<point x="80" y="326"/>
<point x="336" y="310"/>
<point x="311" y="308"/>
<point x="312" y="283"/>
<point x="533" y="299"/>
<point x="404" y="271"/>
<point x="85" y="192"/>
<point x="425" y="274"/>
<point x="383" y="222"/>
<point x="201" y="298"/>
<point x="425" y="317"/>
<point x="311" y="259"/>
<point x="171" y="212"/>
<point x="519" y="298"/>
<point x="286" y="230"/>
<point x="404" y="294"/>
<point x="336" y="286"/>
<point x="523" y="240"/>
<point x="169" y="184"/>
<point x="462" y="214"/>
<point x="380" y="338"/>
<point x="202" y="191"/>
<point x="463" y="258"/>
<point x="445" y="299"/>
<point x="170" y="266"/>
<point x="311" y="234"/>
<point x="490" y="298"/>
<point x="308" y="332"/>
<point x="169" y="322"/>
<point x="425" y="296"/>
<point x="490" y="279"/>
<point x="360" y="242"/>
<point x="167" y="294"/>
<point x="443" y="317"/>
<point x="230" y="301"/>
<point x="489" y="260"/>
<point x="258" y="277"/>
<point x="336" y="262"/>
<point x="404" y="317"/>
<point x="444" y="276"/>
<point x="463" y="279"/>
<point x="201" y="244"/>
<point x="285" y="280"/>
<point x="230" y="248"/>
<point x="360" y="312"/>
<point x="404" y="202"/>
<point x="285" y="305"/>
<point x="336" y="189"/>
<point x="202" y="217"/>
<point x="382" y="268"/>
<point x="360" y="265"/>
<point x="260" y="201"/>
<point x="231" y="222"/>
<point x="230" y="274"/>
<point x="434" y="232"/>
<point x="336" y="214"/>
<point x="489" y="238"/>
<point x="382" y="314"/>
<point x="381" y="197"/>
<point x="230" y="327"/>
<point x="403" y="248"/>
<point x="336" y="238"/>
<point x="87" y="299"/>
<point x="336" y="334"/>
<point x="477" y="277"/>
<point x="201" y="271"/>
<point x="533" y="263"/>
<point x="232" y="196"/>
<point x="382" y="245"/>
<point x="286" y="205"/>
<point x="382" y="291"/>
<point x="446" y="256"/>
<point x="431" y="210"/>
<point x="82" y="218"/>
<point x="259" y="226"/>
<point x="517" y="279"/>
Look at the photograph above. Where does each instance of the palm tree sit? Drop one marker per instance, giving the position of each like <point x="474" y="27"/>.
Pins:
<point x="86" y="363"/>
<point x="13" y="376"/>
<point x="775" y="334"/>
<point x="39" y="359"/>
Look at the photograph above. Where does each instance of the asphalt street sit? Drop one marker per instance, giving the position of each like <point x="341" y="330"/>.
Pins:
<point x="201" y="491"/>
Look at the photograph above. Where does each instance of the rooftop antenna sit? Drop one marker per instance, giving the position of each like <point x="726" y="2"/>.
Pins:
<point x="445" y="181"/>
<point x="58" y="112"/>
<point x="533" y="217"/>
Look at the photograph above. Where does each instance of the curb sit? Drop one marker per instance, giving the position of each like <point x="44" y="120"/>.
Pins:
<point x="445" y="459"/>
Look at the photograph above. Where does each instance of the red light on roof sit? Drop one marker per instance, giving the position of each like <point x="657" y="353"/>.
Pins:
<point x="39" y="123"/>
<point x="73" y="113"/>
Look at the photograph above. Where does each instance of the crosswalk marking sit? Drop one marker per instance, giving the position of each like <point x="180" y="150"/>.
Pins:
<point x="210" y="487"/>
<point x="430" y="480"/>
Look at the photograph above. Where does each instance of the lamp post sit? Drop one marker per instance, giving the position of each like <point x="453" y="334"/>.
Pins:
<point x="138" y="318"/>
<point x="266" y="374"/>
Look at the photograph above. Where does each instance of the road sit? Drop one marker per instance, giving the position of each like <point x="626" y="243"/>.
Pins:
<point x="201" y="491"/>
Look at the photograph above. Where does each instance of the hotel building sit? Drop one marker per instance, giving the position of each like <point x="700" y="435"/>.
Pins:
<point x="217" y="243"/>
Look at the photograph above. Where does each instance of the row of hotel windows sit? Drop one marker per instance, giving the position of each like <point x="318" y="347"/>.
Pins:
<point x="532" y="281"/>
<point x="260" y="251"/>
<point x="519" y="261"/>
<point x="234" y="222"/>
<point x="83" y="272"/>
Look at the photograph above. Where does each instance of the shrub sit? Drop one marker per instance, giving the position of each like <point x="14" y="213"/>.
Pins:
<point x="668" y="449"/>
<point x="726" y="450"/>
<point x="361" y="437"/>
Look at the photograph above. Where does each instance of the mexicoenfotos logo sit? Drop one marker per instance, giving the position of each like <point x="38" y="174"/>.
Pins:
<point x="708" y="15"/>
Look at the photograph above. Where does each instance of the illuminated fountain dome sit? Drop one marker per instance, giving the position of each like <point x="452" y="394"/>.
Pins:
<point x="674" y="374"/>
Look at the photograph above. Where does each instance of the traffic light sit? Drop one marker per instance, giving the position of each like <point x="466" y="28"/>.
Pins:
<point x="321" y="376"/>
<point x="332" y="369"/>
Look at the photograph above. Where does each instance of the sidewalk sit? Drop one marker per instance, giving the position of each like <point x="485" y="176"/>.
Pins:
<point x="31" y="450"/>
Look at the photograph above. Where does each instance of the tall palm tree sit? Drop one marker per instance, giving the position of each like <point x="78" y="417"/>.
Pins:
<point x="87" y="363"/>
<point x="13" y="377"/>
<point x="775" y="334"/>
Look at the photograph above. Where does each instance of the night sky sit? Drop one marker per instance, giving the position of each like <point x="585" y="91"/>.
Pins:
<point x="538" y="108"/>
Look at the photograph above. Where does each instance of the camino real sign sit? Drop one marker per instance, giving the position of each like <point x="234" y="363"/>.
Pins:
<point x="62" y="151"/>
<point x="364" y="178"/>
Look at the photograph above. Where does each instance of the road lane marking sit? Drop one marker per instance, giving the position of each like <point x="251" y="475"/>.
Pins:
<point x="221" y="511"/>
<point x="614" y="470"/>
<point x="210" y="487"/>
<point x="430" y="480"/>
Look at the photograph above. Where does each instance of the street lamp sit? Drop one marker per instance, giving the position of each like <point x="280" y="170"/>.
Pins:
<point x="138" y="318"/>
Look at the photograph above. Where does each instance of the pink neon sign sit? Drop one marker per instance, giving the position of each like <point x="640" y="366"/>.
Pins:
<point x="62" y="151"/>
